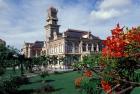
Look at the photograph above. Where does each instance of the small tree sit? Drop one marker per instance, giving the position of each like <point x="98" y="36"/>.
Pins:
<point x="43" y="75"/>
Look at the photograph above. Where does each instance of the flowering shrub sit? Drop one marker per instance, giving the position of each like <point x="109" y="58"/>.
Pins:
<point x="121" y="57"/>
<point x="122" y="44"/>
<point x="117" y="64"/>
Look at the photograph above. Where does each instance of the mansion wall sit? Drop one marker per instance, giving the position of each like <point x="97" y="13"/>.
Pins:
<point x="73" y="46"/>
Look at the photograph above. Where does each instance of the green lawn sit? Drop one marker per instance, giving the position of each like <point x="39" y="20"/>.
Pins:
<point x="63" y="83"/>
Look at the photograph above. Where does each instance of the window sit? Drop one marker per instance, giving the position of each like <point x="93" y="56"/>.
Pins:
<point x="84" y="47"/>
<point x="89" y="47"/>
<point x="76" y="47"/>
<point x="69" y="47"/>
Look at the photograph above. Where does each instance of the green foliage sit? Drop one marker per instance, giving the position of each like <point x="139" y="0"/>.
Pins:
<point x="2" y="70"/>
<point x="91" y="86"/>
<point x="88" y="61"/>
<point x="91" y="60"/>
<point x="6" y="57"/>
<point x="41" y="60"/>
<point x="11" y="85"/>
<point x="46" y="89"/>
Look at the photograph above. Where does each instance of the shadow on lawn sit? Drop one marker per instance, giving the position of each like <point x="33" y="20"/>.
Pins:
<point x="46" y="89"/>
<point x="38" y="91"/>
<point x="29" y="91"/>
<point x="63" y="72"/>
<point x="46" y="81"/>
<point x="58" y="89"/>
<point x="49" y="80"/>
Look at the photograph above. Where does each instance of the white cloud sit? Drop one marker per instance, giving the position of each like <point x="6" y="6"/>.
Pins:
<point x="73" y="17"/>
<point x="109" y="9"/>
<point x="104" y="15"/>
<point x="109" y="4"/>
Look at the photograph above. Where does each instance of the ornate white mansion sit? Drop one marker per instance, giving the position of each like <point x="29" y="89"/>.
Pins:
<point x="69" y="44"/>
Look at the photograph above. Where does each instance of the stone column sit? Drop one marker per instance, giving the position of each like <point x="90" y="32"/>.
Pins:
<point x="36" y="54"/>
<point x="81" y="47"/>
<point x="63" y="48"/>
<point x="73" y="47"/>
<point x="58" y="63"/>
<point x="86" y="47"/>
<point x="29" y="51"/>
<point x="92" y="47"/>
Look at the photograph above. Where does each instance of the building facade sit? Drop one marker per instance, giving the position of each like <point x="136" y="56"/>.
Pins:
<point x="32" y="49"/>
<point x="71" y="44"/>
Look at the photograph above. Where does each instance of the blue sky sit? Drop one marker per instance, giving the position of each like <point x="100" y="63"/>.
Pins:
<point x="24" y="20"/>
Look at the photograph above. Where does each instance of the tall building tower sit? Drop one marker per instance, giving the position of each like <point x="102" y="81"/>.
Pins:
<point x="52" y="27"/>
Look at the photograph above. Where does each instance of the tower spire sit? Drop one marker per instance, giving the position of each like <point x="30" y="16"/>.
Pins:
<point x="52" y="15"/>
<point x="52" y="26"/>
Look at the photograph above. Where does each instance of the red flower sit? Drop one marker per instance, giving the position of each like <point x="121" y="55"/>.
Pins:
<point x="115" y="44"/>
<point x="88" y="73"/>
<point x="117" y="30"/>
<point x="106" y="86"/>
<point x="77" y="81"/>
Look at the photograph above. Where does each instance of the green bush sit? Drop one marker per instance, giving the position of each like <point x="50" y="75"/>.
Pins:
<point x="2" y="70"/>
<point x="8" y="87"/>
<point x="11" y="86"/>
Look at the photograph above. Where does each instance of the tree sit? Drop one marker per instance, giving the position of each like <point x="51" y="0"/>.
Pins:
<point x="7" y="58"/>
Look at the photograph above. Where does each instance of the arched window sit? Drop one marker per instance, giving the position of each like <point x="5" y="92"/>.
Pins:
<point x="84" y="47"/>
<point x="69" y="47"/>
<point x="89" y="47"/>
<point x="76" y="47"/>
